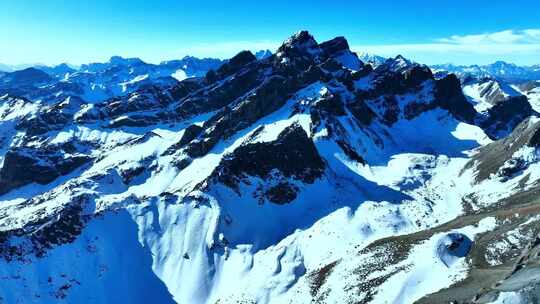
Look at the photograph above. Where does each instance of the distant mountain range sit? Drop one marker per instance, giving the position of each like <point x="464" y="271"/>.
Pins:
<point x="15" y="67"/>
<point x="97" y="81"/>
<point x="194" y="66"/>
<point x="191" y="62"/>
<point x="500" y="69"/>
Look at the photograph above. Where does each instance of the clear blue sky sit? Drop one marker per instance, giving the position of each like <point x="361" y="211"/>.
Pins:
<point x="434" y="31"/>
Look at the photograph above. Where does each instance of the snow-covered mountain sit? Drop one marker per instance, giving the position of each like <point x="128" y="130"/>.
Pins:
<point x="501" y="101"/>
<point x="500" y="69"/>
<point x="16" y="67"/>
<point x="306" y="176"/>
<point x="98" y="81"/>
<point x="262" y="54"/>
<point x="531" y="89"/>
<point x="60" y="71"/>
<point x="372" y="59"/>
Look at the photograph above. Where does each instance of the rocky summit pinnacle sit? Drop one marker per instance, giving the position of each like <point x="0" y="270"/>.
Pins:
<point x="338" y="44"/>
<point x="301" y="41"/>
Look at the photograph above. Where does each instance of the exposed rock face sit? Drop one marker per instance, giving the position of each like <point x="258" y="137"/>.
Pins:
<point x="492" y="157"/>
<point x="336" y="45"/>
<point x="449" y="96"/>
<point x="361" y="111"/>
<point x="506" y="114"/>
<point x="26" y="165"/>
<point x="292" y="154"/>
<point x="502" y="105"/>
<point x="299" y="62"/>
<point x="189" y="135"/>
<point x="299" y="42"/>
<point x="138" y="104"/>
<point x="399" y="77"/>
<point x="350" y="152"/>
<point x="12" y="104"/>
<point x="218" y="95"/>
<point x="50" y="118"/>
<point x="282" y="193"/>
<point x="492" y="92"/>
<point x="232" y="66"/>
<point x="417" y="75"/>
<point x="267" y="98"/>
<point x="330" y="104"/>
<point x="61" y="227"/>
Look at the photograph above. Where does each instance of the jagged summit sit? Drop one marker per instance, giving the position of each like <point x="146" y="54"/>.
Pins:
<point x="262" y="54"/>
<point x="302" y="45"/>
<point x="398" y="63"/>
<point x="300" y="40"/>
<point x="372" y="59"/>
<point x="304" y="41"/>
<point x="335" y="45"/>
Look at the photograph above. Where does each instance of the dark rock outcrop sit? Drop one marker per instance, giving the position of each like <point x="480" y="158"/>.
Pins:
<point x="505" y="115"/>
<point x="50" y="118"/>
<point x="297" y="44"/>
<point x="232" y="66"/>
<point x="267" y="98"/>
<point x="350" y="152"/>
<point x="190" y="133"/>
<point x="330" y="104"/>
<point x="25" y="165"/>
<point x="334" y="46"/>
<point x="219" y="94"/>
<point x="493" y="156"/>
<point x="449" y="96"/>
<point x="282" y="193"/>
<point x="398" y="76"/>
<point x="61" y="226"/>
<point x="292" y="154"/>
<point x="361" y="111"/>
<point x="417" y="75"/>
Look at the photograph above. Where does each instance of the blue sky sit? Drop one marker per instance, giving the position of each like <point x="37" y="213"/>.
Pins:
<point x="80" y="31"/>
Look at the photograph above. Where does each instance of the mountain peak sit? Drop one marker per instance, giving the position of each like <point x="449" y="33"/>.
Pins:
<point x="397" y="63"/>
<point x="372" y="59"/>
<point x="263" y="54"/>
<point x="118" y="60"/>
<point x="501" y="62"/>
<point x="242" y="58"/>
<point x="301" y="36"/>
<point x="300" y="40"/>
<point x="335" y="45"/>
